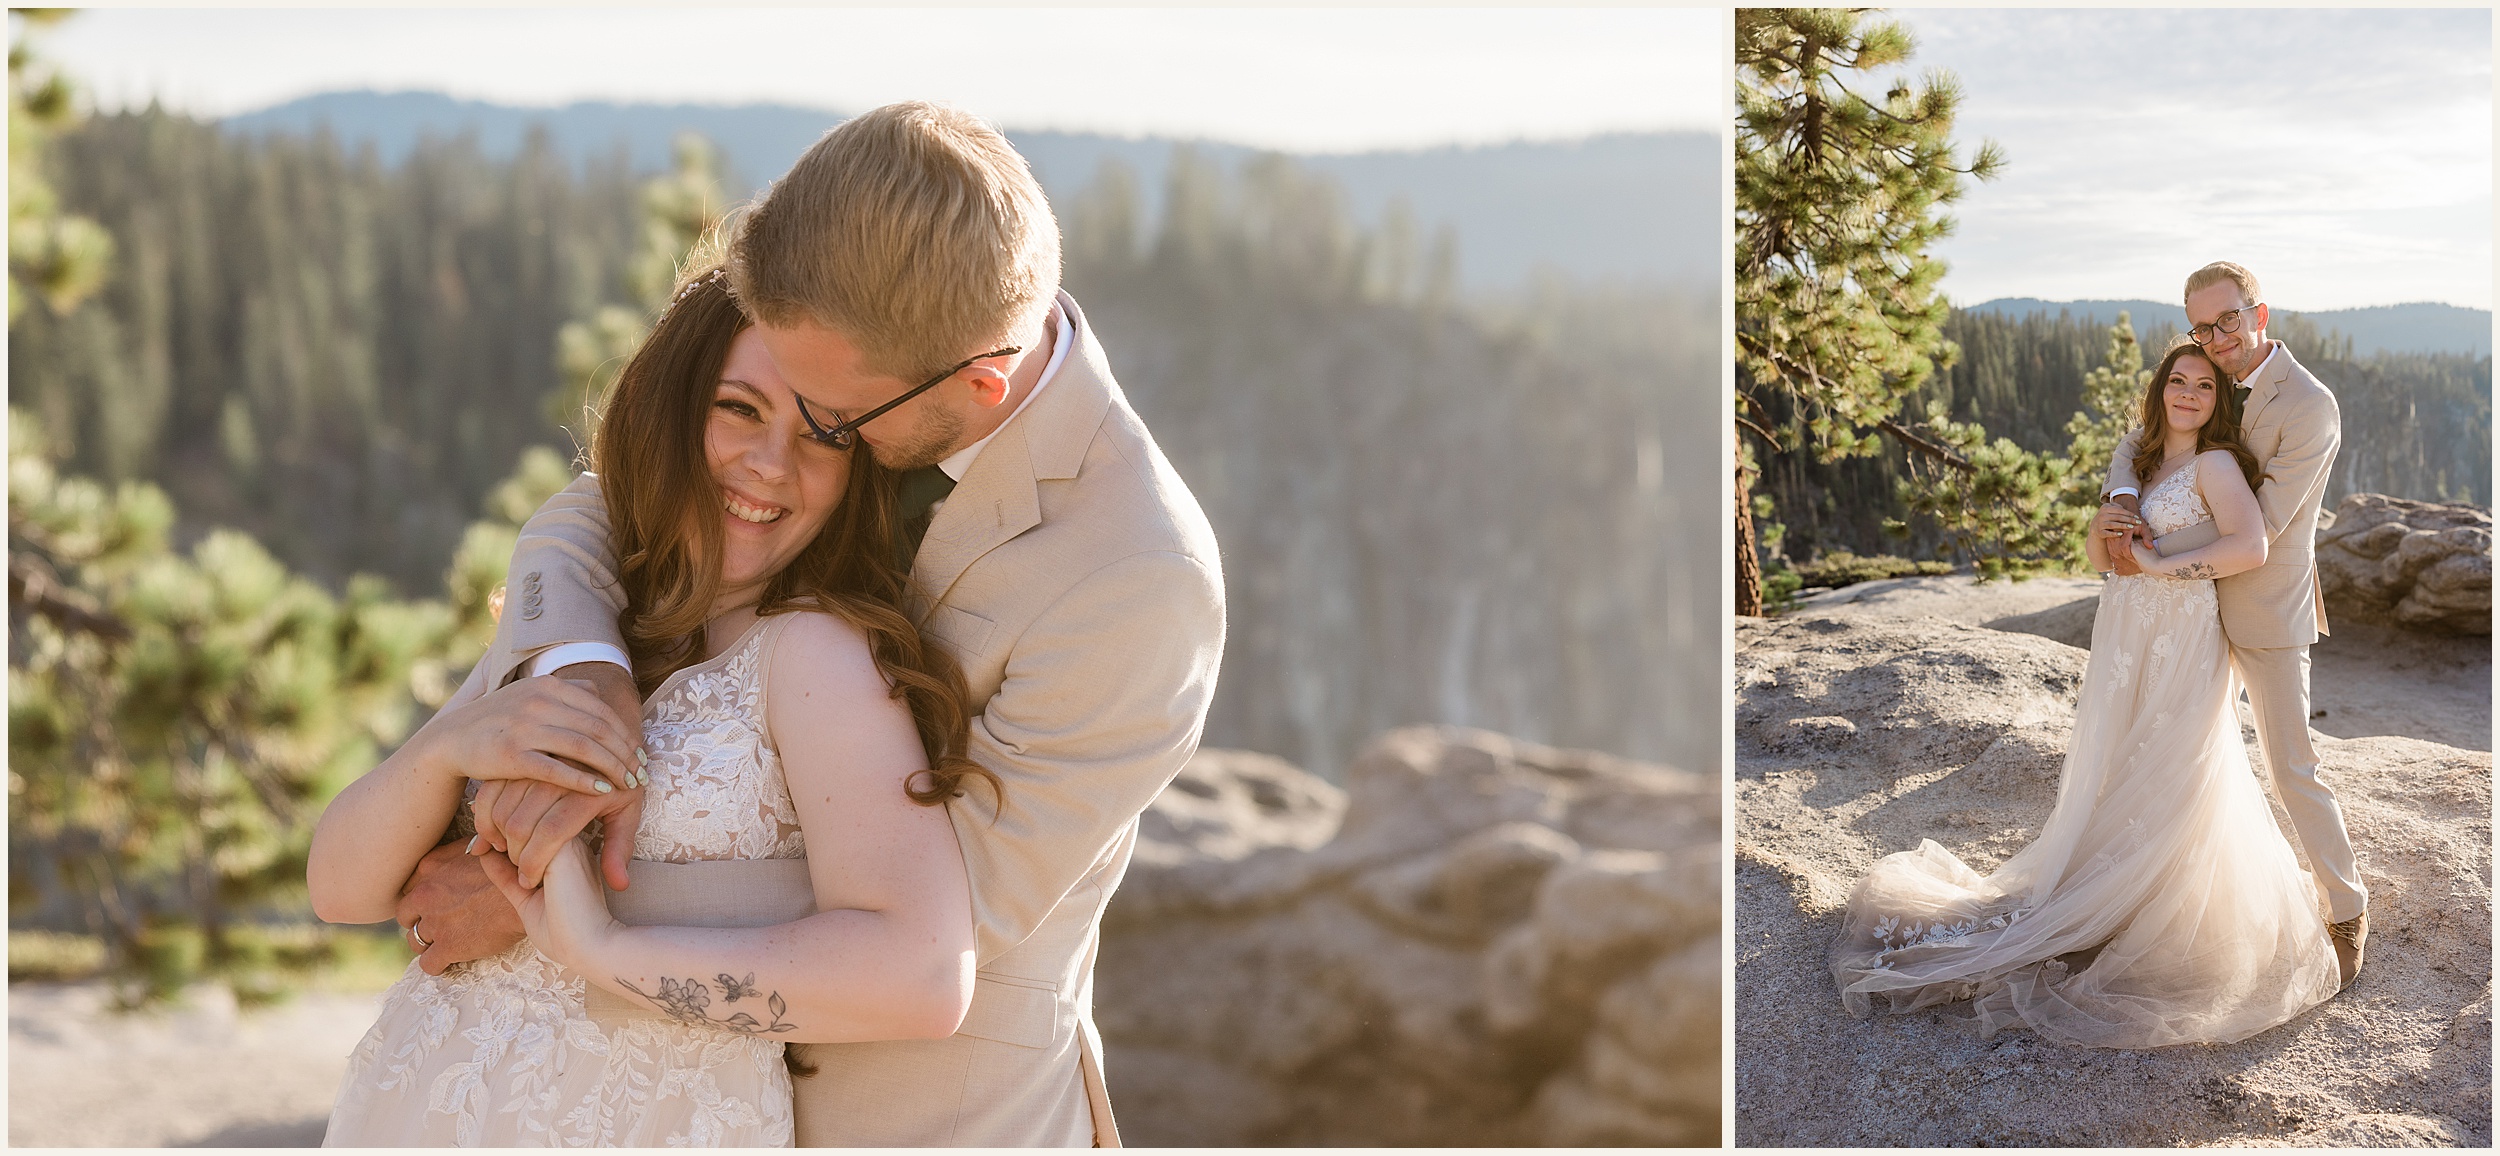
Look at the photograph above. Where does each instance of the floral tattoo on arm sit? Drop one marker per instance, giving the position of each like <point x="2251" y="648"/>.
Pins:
<point x="2193" y="570"/>
<point x="690" y="1000"/>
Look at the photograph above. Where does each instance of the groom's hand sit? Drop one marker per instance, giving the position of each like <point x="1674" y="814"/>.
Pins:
<point x="2122" y="552"/>
<point x="457" y="909"/>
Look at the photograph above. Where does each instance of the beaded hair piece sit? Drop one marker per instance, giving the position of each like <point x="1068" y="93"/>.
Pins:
<point x="718" y="273"/>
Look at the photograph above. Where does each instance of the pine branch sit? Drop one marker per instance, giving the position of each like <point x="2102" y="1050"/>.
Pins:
<point x="34" y="590"/>
<point x="1743" y="422"/>
<point x="1911" y="438"/>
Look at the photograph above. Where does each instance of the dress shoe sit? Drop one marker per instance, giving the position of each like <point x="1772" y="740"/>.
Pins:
<point x="2349" y="937"/>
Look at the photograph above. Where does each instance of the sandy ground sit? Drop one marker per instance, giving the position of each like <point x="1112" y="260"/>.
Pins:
<point x="1892" y="719"/>
<point x="204" y="1075"/>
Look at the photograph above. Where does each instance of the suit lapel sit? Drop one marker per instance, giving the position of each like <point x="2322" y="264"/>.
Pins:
<point x="2263" y="391"/>
<point x="1000" y="496"/>
<point x="996" y="502"/>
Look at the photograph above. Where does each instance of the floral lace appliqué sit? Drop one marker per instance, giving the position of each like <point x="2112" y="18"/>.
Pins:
<point x="716" y="788"/>
<point x="2173" y="504"/>
<point x="502" y="1052"/>
<point x="2170" y="506"/>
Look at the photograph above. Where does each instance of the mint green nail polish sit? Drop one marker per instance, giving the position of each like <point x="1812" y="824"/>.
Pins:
<point x="603" y="787"/>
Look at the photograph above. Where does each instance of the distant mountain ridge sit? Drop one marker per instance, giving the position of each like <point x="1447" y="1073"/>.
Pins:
<point x="2419" y="327"/>
<point x="1624" y="207"/>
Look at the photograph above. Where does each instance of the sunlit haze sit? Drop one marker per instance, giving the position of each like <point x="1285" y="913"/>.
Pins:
<point x="1303" y="80"/>
<point x="2344" y="156"/>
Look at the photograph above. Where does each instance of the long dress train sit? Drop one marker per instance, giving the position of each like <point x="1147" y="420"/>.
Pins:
<point x="2159" y="905"/>
<point x="502" y="1052"/>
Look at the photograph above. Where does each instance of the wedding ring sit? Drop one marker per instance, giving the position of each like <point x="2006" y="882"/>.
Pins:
<point x="422" y="942"/>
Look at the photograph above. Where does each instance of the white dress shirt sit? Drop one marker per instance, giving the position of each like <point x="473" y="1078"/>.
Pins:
<point x="960" y="462"/>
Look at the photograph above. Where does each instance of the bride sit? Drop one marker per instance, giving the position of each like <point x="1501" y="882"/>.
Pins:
<point x="2160" y="904"/>
<point x="791" y="721"/>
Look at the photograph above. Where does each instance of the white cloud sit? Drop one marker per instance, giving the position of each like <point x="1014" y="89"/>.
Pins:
<point x="2343" y="155"/>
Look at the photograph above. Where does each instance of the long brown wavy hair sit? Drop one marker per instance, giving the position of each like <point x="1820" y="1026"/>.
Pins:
<point x="2222" y="427"/>
<point x="664" y="519"/>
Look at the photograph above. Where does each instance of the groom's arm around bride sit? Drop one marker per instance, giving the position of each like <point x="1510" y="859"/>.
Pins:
<point x="1069" y="571"/>
<point x="2290" y="421"/>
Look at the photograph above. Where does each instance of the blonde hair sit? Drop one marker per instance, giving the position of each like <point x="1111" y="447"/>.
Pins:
<point x="914" y="230"/>
<point x="2219" y="272"/>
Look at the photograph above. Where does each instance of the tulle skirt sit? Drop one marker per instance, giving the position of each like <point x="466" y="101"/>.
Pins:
<point x="2160" y="904"/>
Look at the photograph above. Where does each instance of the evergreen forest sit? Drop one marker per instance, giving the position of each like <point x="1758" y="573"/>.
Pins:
<point x="334" y="357"/>
<point x="1873" y="417"/>
<point x="2416" y="425"/>
<point x="1433" y="508"/>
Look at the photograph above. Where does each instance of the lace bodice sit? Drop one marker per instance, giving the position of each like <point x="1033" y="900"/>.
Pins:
<point x="716" y="788"/>
<point x="502" y="1051"/>
<point x="2173" y="504"/>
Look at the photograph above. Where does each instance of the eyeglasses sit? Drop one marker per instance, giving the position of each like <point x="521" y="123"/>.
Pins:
<point x="2229" y="322"/>
<point x="845" y="434"/>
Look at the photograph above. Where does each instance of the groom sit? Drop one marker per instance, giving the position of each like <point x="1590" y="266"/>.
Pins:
<point x="1059" y="559"/>
<point x="2272" y="614"/>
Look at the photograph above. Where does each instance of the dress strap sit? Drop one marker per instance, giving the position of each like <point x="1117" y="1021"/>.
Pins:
<point x="765" y="642"/>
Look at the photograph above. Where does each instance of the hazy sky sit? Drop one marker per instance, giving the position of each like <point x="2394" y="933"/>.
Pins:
<point x="2343" y="156"/>
<point x="1307" y="80"/>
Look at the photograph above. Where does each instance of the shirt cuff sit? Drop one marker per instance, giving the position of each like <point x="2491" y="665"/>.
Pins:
<point x="2127" y="490"/>
<point x="556" y="658"/>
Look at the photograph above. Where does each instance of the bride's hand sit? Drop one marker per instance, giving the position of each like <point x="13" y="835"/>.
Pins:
<point x="547" y="729"/>
<point x="2113" y="522"/>
<point x="566" y="915"/>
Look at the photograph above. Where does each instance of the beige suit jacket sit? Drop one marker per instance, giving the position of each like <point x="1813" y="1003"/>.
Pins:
<point x="1074" y="576"/>
<point x="2292" y="425"/>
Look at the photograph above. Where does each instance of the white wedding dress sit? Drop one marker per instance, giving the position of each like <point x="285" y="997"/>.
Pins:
<point x="501" y="1053"/>
<point x="2161" y="853"/>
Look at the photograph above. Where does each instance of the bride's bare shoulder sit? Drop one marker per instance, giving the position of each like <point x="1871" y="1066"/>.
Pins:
<point x="818" y="648"/>
<point x="2217" y="467"/>
<point x="826" y="704"/>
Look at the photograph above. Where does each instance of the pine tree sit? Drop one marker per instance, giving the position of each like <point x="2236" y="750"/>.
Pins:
<point x="178" y="719"/>
<point x="56" y="257"/>
<point x="1838" y="197"/>
<point x="681" y="210"/>
<point x="2110" y="394"/>
<point x="338" y="357"/>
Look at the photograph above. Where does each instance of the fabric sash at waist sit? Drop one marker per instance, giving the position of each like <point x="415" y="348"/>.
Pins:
<point x="2187" y="538"/>
<point x="713" y="893"/>
<point x="2206" y="533"/>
